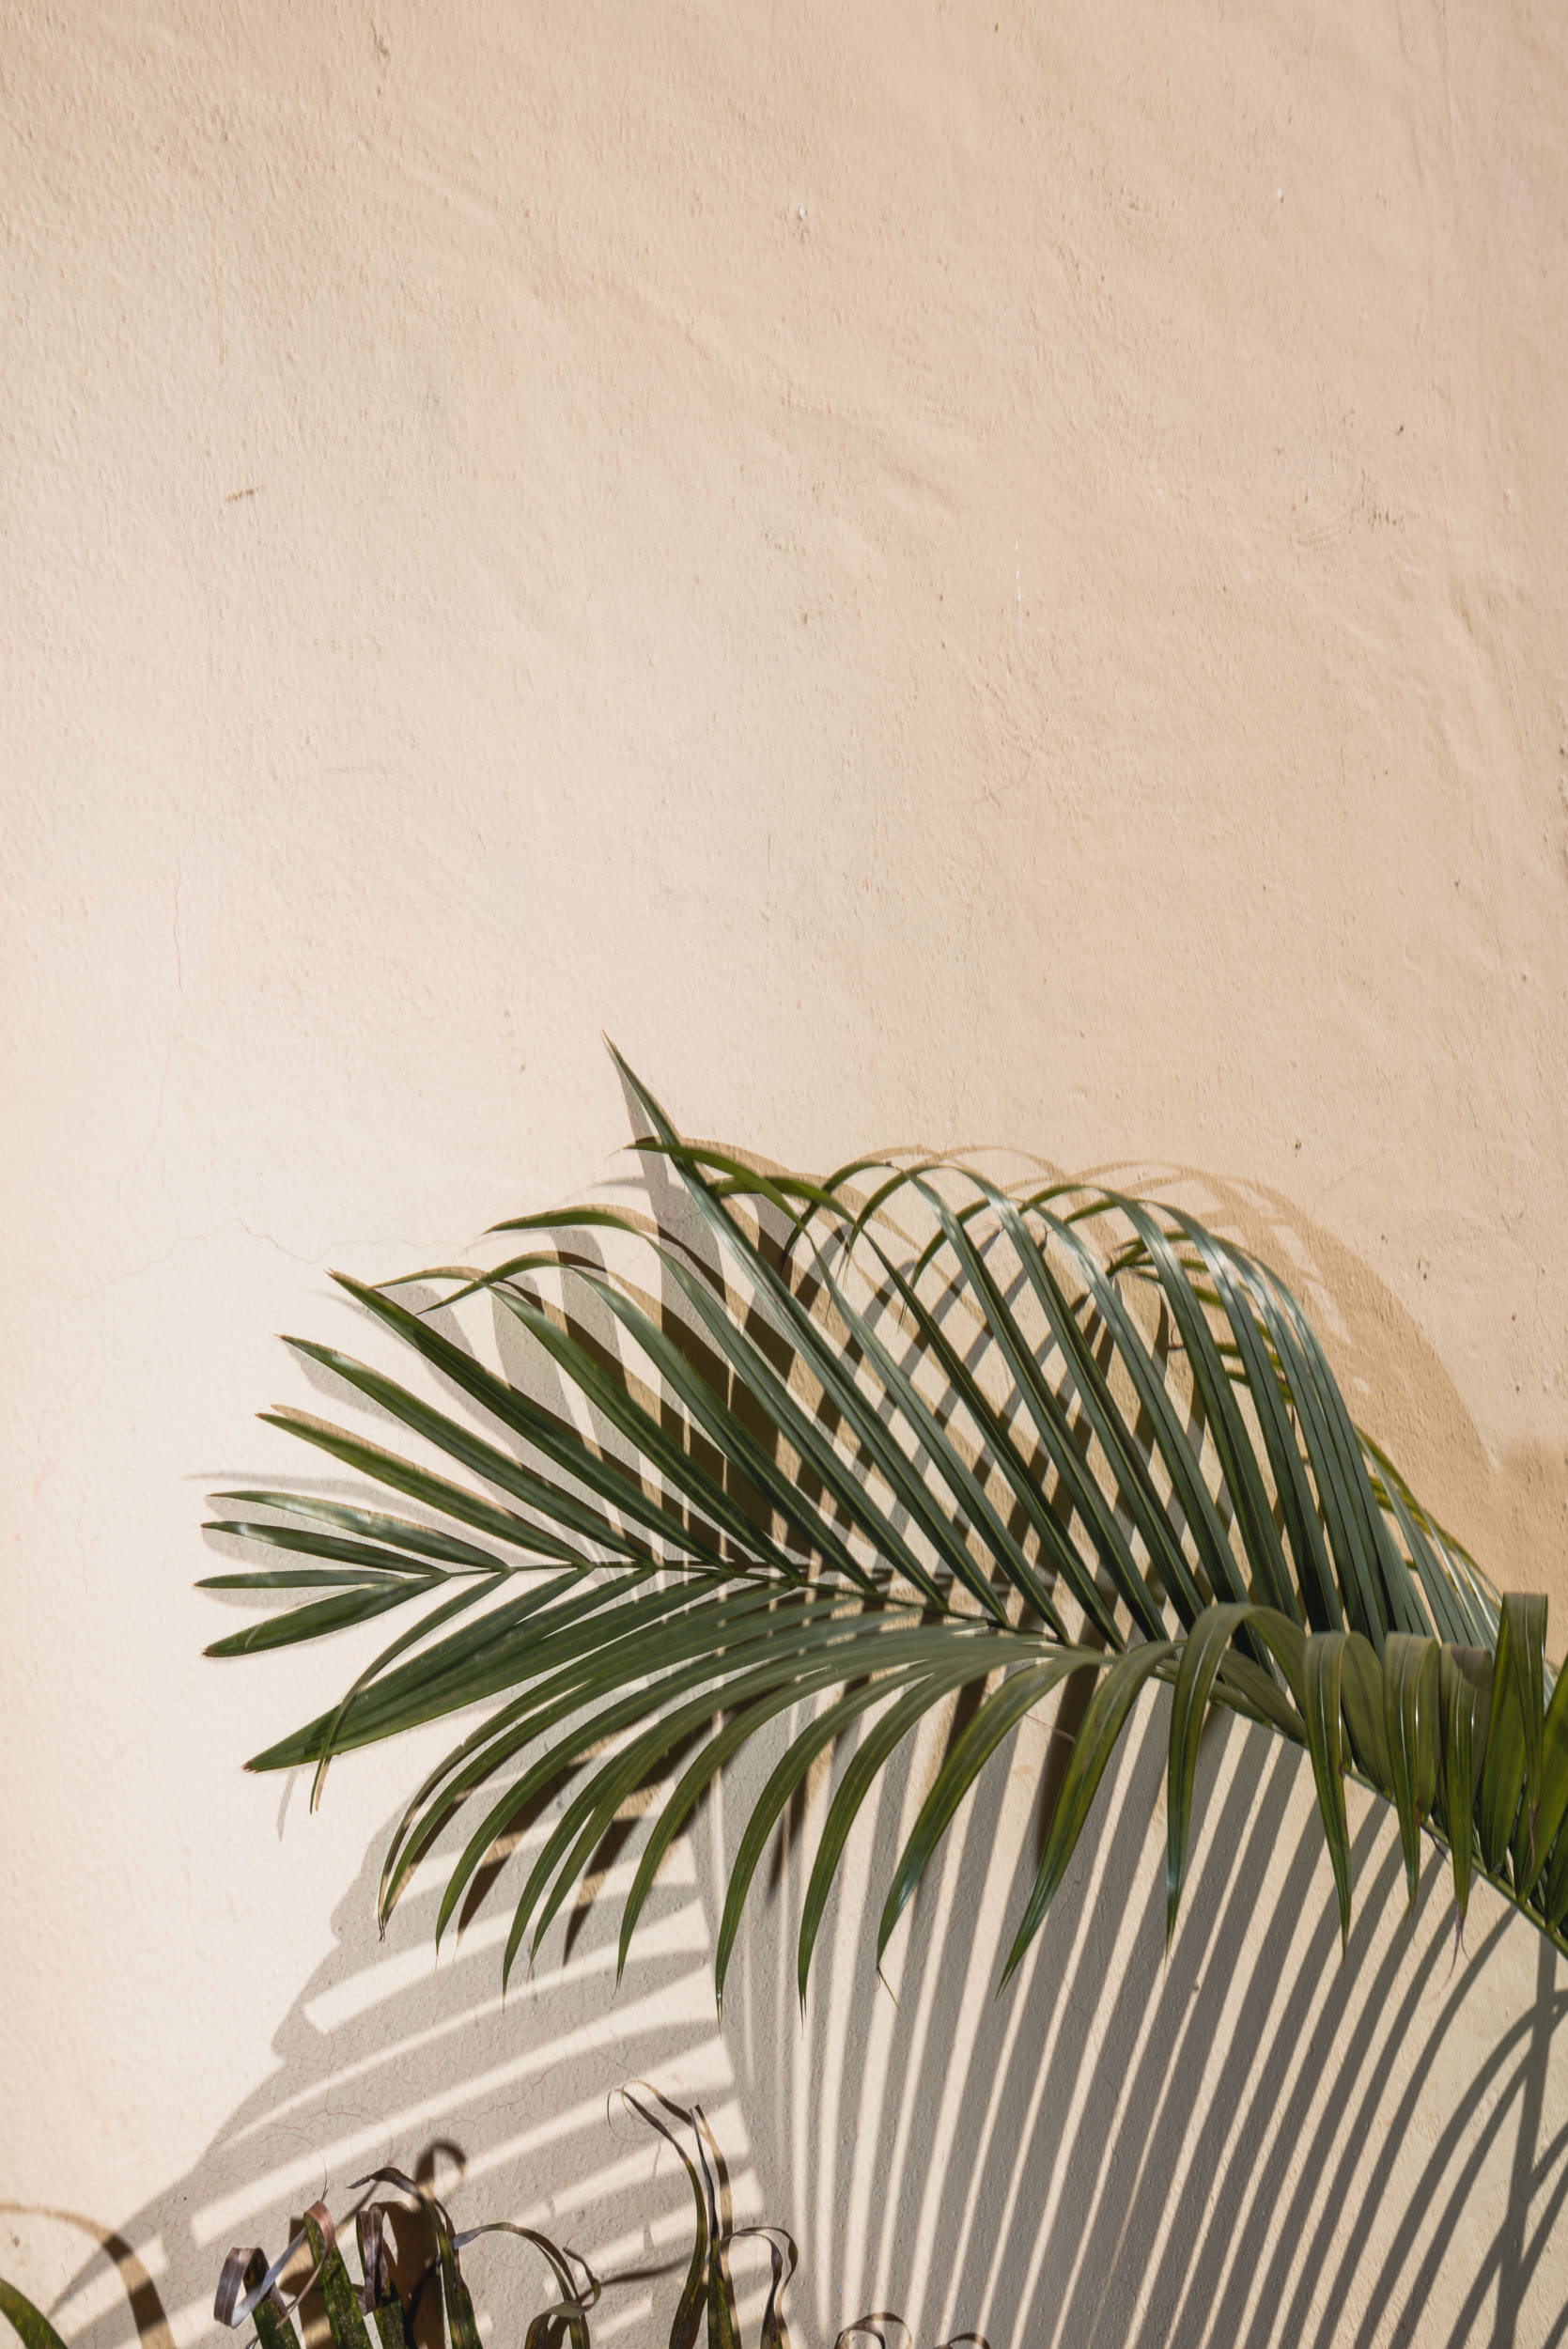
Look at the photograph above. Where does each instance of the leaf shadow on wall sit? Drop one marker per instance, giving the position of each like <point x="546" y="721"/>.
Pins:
<point x="1251" y="2141"/>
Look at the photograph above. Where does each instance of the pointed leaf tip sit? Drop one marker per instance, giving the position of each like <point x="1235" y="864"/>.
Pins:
<point x="1103" y="1723"/>
<point x="1411" y="1722"/>
<point x="1202" y="1655"/>
<point x="1323" y="1686"/>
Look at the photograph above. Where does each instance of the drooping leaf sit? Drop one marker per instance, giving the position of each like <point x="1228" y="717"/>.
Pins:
<point x="1502" y="1773"/>
<point x="1202" y="1653"/>
<point x="1323" y="1681"/>
<point x="1411" y="1724"/>
<point x="1361" y="1695"/>
<point x="383" y="2300"/>
<point x="1553" y="1808"/>
<point x="998" y="1717"/>
<point x="1103" y="1724"/>
<point x="1464" y="1694"/>
<point x="688" y="2310"/>
<point x="331" y="2281"/>
<point x="246" y="2290"/>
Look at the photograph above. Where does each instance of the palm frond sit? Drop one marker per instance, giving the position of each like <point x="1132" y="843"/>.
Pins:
<point x="831" y="1456"/>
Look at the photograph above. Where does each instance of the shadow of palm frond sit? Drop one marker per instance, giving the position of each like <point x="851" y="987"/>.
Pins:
<point x="508" y="2106"/>
<point x="1251" y="2141"/>
<point x="1248" y="2139"/>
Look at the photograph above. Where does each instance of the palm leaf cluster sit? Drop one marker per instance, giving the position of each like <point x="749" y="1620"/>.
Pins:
<point x="829" y="1459"/>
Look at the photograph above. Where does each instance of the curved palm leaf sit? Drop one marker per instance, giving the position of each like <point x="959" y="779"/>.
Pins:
<point x="833" y="1458"/>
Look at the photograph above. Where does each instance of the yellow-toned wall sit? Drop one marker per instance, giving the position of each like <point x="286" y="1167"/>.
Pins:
<point x="942" y="575"/>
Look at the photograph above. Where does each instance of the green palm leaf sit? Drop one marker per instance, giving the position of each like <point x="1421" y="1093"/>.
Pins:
<point x="34" y="2327"/>
<point x="819" y="1460"/>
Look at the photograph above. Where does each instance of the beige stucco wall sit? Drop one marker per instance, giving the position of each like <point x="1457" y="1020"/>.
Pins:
<point x="940" y="574"/>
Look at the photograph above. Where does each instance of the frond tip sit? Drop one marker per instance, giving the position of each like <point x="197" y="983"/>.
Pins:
<point x="810" y="1460"/>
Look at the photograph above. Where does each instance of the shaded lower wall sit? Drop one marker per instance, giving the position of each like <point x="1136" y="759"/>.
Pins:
<point x="1253" y="2141"/>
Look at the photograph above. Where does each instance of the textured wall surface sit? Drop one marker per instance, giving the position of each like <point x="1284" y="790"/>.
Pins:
<point x="941" y="575"/>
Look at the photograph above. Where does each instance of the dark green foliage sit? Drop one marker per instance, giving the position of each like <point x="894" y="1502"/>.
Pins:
<point x="33" y="2325"/>
<point x="706" y="2315"/>
<point x="829" y="1457"/>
